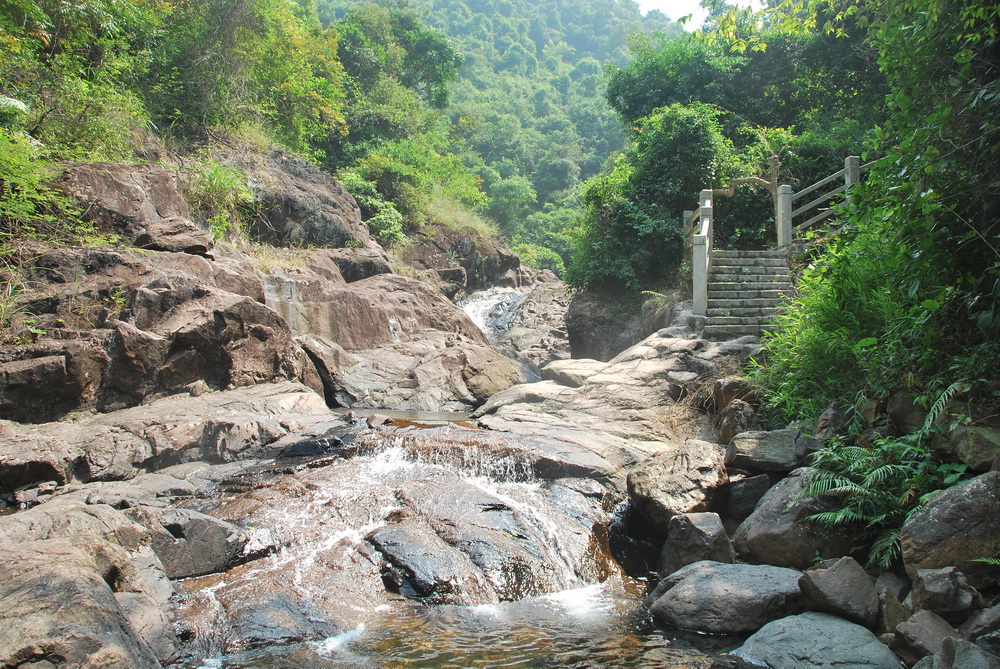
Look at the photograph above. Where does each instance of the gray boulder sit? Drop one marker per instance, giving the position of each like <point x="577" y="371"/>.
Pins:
<point x="681" y="480"/>
<point x="719" y="598"/>
<point x="773" y="451"/>
<point x="815" y="640"/>
<point x="190" y="543"/>
<point x="64" y="604"/>
<point x="923" y="634"/>
<point x="693" y="537"/>
<point x="842" y="589"/>
<point x="744" y="494"/>
<point x="945" y="592"/>
<point x="778" y="532"/>
<point x="955" y="528"/>
<point x="959" y="654"/>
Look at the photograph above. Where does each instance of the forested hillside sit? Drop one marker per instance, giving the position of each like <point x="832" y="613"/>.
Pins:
<point x="527" y="113"/>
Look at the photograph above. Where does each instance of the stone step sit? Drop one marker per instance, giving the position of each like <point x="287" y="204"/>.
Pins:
<point x="743" y="311"/>
<point x="745" y="303"/>
<point x="777" y="264"/>
<point x="748" y="285"/>
<point x="775" y="296"/>
<point x="760" y="253"/>
<point x="741" y="270"/>
<point x="756" y="321"/>
<point x="724" y="332"/>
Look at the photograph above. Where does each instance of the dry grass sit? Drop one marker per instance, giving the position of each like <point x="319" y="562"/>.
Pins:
<point x="455" y="215"/>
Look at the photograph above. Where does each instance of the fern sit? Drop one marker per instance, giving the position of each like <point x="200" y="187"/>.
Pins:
<point x="878" y="489"/>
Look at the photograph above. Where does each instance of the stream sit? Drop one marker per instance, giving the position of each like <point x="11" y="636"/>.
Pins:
<point x="524" y="577"/>
<point x="432" y="543"/>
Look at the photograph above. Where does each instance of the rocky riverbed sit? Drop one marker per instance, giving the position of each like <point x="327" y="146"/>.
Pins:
<point x="197" y="472"/>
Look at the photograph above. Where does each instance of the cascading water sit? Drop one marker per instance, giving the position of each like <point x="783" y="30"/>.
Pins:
<point x="426" y="546"/>
<point x="492" y="309"/>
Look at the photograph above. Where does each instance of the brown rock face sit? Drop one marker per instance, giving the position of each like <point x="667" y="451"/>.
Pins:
<point x="139" y="202"/>
<point x="71" y="605"/>
<point x="955" y="528"/>
<point x="303" y="206"/>
<point x="459" y="259"/>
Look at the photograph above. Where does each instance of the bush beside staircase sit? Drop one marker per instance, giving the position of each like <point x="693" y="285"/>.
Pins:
<point x="745" y="288"/>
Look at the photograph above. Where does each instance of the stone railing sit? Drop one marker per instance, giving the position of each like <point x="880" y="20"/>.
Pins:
<point x="824" y="192"/>
<point x="698" y="224"/>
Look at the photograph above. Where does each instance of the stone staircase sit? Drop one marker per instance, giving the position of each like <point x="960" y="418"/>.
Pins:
<point x="745" y="288"/>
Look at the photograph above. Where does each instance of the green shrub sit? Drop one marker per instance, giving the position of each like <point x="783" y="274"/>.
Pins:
<point x="540" y="257"/>
<point x="877" y="488"/>
<point x="221" y="196"/>
<point x="383" y="219"/>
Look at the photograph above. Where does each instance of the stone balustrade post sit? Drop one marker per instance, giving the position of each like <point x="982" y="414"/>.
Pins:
<point x="783" y="215"/>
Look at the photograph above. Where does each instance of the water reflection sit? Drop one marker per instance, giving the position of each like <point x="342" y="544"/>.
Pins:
<point x="600" y="625"/>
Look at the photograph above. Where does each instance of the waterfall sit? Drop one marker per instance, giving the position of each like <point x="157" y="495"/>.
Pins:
<point x="492" y="309"/>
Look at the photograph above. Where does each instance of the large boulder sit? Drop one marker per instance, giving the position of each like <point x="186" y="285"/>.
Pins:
<point x="66" y="603"/>
<point x="301" y="205"/>
<point x="946" y="592"/>
<point x="773" y="451"/>
<point x="778" y="532"/>
<point x="921" y="635"/>
<point x="815" y="640"/>
<point x="693" y="537"/>
<point x="681" y="480"/>
<point x="956" y="528"/>
<point x="719" y="598"/>
<point x="190" y="543"/>
<point x="842" y="589"/>
<point x="140" y="203"/>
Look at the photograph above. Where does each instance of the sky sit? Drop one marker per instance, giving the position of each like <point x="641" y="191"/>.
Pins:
<point x="675" y="9"/>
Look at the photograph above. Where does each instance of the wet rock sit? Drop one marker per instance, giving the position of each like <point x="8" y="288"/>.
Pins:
<point x="945" y="592"/>
<point x="766" y="451"/>
<point x="537" y="331"/>
<point x="262" y="614"/>
<point x="693" y="537"/>
<point x="744" y="494"/>
<point x="738" y="417"/>
<point x="959" y="654"/>
<point x="721" y="598"/>
<point x="923" y="634"/>
<point x="61" y="602"/>
<point x="190" y="543"/>
<point x="778" y="532"/>
<point x="815" y="640"/>
<point x="842" y="589"/>
<point x="424" y="566"/>
<point x="955" y="528"/>
<point x="681" y="480"/>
